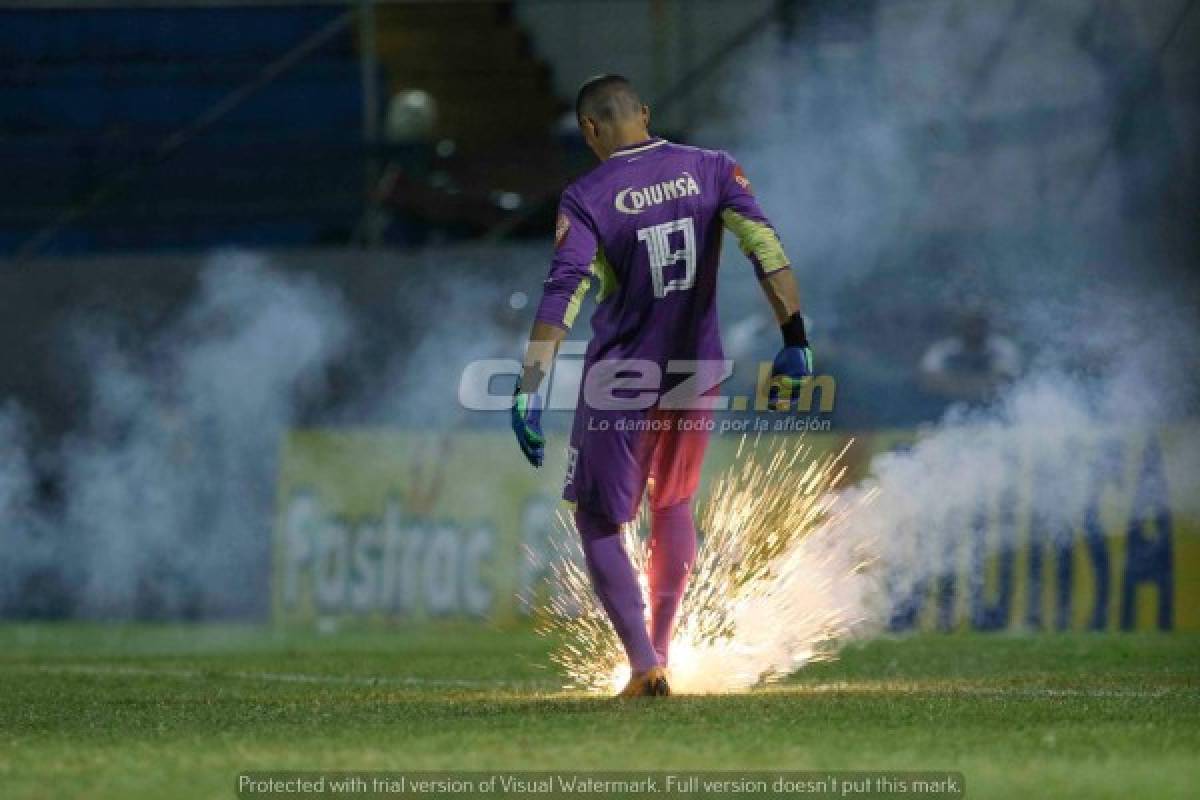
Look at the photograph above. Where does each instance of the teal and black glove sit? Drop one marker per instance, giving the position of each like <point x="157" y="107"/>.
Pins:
<point x="527" y="425"/>
<point x="793" y="366"/>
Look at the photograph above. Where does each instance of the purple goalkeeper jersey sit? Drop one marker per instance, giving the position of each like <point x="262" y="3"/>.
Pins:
<point x="646" y="225"/>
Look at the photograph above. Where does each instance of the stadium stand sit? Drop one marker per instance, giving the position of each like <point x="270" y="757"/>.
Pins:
<point x="478" y="64"/>
<point x="493" y="164"/>
<point x="283" y="169"/>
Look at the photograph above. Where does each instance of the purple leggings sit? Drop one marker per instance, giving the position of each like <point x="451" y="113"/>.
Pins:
<point x="672" y="553"/>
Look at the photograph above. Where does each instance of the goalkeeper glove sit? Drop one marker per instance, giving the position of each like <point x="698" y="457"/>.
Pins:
<point x="527" y="425"/>
<point x="792" y="367"/>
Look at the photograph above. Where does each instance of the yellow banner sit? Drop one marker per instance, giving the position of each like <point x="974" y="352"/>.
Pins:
<point x="390" y="526"/>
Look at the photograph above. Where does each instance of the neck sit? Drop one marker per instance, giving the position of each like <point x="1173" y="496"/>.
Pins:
<point x="626" y="136"/>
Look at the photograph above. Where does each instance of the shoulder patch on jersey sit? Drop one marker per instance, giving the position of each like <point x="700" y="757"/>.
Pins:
<point x="561" y="226"/>
<point x="740" y="177"/>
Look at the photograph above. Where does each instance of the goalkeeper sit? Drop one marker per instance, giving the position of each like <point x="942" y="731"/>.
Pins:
<point x="645" y="225"/>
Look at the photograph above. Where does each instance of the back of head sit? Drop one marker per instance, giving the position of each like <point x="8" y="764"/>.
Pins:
<point x="607" y="99"/>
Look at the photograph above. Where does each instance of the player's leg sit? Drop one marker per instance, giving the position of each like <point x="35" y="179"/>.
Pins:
<point x="677" y="462"/>
<point x="606" y="475"/>
<point x="616" y="585"/>
<point x="672" y="553"/>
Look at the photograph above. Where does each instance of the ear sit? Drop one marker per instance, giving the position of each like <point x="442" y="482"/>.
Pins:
<point x="646" y="115"/>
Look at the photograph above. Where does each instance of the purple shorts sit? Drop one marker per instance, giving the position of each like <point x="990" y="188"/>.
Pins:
<point x="614" y="455"/>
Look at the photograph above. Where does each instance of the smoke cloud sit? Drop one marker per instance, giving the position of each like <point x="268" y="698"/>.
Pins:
<point x="28" y="552"/>
<point x="948" y="158"/>
<point x="167" y="481"/>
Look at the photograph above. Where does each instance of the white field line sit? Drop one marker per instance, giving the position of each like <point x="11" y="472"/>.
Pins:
<point x="120" y="670"/>
<point x="864" y="687"/>
<point x="914" y="687"/>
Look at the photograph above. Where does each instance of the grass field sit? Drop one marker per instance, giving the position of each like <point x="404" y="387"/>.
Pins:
<point x="136" y="711"/>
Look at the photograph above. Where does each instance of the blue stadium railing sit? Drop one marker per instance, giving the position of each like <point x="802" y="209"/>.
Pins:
<point x="86" y="94"/>
<point x="156" y="33"/>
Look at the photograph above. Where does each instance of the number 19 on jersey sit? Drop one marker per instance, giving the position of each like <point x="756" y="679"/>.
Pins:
<point x="658" y="243"/>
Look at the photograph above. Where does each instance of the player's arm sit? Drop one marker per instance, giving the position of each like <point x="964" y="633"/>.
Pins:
<point x="544" y="340"/>
<point x="782" y="293"/>
<point x="757" y="238"/>
<point x="562" y="295"/>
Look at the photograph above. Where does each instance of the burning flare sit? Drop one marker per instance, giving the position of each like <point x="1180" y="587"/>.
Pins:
<point x="775" y="585"/>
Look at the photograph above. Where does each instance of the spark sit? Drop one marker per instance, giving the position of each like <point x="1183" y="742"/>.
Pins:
<point x="775" y="585"/>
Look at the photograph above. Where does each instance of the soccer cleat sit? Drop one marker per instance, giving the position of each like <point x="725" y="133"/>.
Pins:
<point x="651" y="683"/>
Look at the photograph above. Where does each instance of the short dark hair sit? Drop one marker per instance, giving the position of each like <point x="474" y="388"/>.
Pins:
<point x="607" y="98"/>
